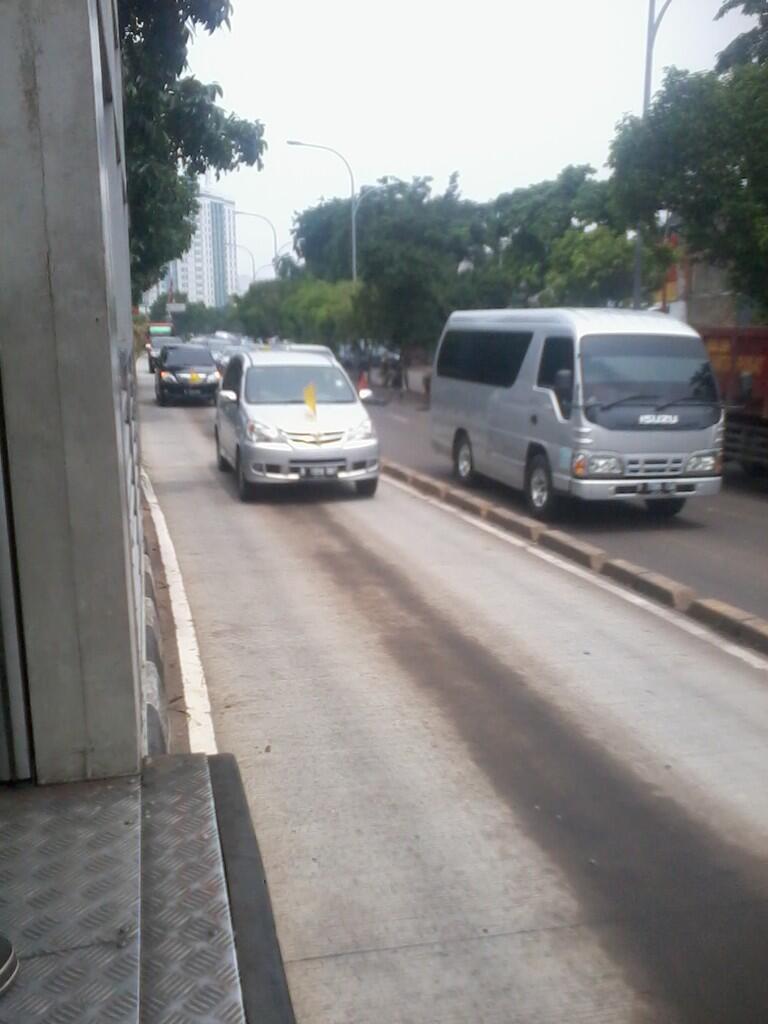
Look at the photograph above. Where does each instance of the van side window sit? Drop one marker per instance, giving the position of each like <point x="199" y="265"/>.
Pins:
<point x="556" y="355"/>
<point x="483" y="357"/>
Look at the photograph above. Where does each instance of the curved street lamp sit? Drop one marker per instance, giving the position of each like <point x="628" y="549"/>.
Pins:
<point x="260" y="216"/>
<point x="329" y="149"/>
<point x="654" y="22"/>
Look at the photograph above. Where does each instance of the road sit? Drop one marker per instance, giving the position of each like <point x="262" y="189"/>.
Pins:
<point x="718" y="546"/>
<point x="488" y="788"/>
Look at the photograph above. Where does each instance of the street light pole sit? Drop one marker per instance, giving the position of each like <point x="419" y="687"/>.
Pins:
<point x="245" y="248"/>
<point x="654" y="21"/>
<point x="260" y="216"/>
<point x="353" y="203"/>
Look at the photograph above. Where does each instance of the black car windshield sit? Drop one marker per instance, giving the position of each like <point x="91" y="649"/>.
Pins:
<point x="645" y="369"/>
<point x="188" y="355"/>
<point x="281" y="385"/>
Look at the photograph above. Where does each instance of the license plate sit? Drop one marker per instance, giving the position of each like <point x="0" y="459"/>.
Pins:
<point x="653" y="488"/>
<point x="316" y="471"/>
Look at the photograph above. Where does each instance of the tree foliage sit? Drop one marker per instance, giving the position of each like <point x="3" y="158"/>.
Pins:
<point x="301" y="308"/>
<point x="702" y="153"/>
<point x="751" y="47"/>
<point x="421" y="255"/>
<point x="174" y="129"/>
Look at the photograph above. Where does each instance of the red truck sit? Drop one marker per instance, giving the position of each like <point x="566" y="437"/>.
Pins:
<point x="739" y="358"/>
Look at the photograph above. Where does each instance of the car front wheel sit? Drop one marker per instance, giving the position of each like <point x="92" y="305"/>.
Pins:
<point x="244" y="488"/>
<point x="221" y="462"/>
<point x="367" y="488"/>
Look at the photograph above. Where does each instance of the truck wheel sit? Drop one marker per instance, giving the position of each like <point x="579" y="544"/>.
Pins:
<point x="463" y="460"/>
<point x="540" y="496"/>
<point x="665" y="508"/>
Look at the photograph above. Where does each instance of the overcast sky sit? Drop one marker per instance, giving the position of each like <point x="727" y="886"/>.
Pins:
<point x="506" y="93"/>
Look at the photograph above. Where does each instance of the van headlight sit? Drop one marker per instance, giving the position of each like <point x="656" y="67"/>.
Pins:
<point x="596" y="464"/>
<point x="362" y="432"/>
<point x="705" y="462"/>
<point x="258" y="432"/>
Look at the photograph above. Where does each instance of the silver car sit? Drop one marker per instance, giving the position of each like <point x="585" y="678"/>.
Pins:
<point x="289" y="414"/>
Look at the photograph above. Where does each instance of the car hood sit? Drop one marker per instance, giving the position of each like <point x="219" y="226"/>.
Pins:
<point x="299" y="419"/>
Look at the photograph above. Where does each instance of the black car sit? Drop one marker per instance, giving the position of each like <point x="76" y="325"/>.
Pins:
<point x="155" y="345"/>
<point x="186" y="371"/>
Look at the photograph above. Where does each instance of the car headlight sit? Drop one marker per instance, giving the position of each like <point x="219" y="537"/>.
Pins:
<point x="596" y="464"/>
<point x="167" y="375"/>
<point x="362" y="432"/>
<point x="258" y="432"/>
<point x="705" y="462"/>
<point x="213" y="378"/>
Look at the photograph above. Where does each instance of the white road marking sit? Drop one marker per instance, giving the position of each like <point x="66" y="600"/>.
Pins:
<point x="397" y="416"/>
<point x="667" y="614"/>
<point x="202" y="739"/>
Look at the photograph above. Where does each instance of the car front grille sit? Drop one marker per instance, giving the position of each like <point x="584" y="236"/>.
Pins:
<point x="316" y="440"/>
<point x="655" y="465"/>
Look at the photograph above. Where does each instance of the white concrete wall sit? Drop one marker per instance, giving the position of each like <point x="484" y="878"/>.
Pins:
<point x="65" y="356"/>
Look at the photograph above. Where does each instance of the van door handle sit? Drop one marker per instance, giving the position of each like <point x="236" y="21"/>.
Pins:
<point x="534" y="418"/>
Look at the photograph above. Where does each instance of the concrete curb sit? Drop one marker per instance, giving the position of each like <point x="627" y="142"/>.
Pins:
<point x="734" y="623"/>
<point x="154" y="697"/>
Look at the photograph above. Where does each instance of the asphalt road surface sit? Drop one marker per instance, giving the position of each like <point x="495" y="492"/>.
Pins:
<point x="488" y="787"/>
<point x="718" y="546"/>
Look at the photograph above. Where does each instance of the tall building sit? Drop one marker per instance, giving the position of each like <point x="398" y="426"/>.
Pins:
<point x="208" y="271"/>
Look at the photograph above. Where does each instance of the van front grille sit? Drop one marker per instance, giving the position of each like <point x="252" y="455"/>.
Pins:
<point x="654" y="465"/>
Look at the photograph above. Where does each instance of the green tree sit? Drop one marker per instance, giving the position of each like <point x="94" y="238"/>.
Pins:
<point x="593" y="268"/>
<point x="174" y="129"/>
<point x="751" y="47"/>
<point x="158" y="311"/>
<point x="702" y="153"/>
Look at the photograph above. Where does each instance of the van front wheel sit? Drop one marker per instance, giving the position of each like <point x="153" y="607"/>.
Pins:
<point x="664" y="508"/>
<point x="539" y="493"/>
<point x="463" y="460"/>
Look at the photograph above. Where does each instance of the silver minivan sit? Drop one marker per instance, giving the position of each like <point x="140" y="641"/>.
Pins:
<point x="598" y="404"/>
<point x="289" y="414"/>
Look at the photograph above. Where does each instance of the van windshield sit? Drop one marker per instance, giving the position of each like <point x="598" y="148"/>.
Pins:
<point x="648" y="370"/>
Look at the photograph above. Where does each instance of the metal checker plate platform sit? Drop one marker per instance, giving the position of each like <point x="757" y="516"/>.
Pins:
<point x="69" y="901"/>
<point x="189" y="971"/>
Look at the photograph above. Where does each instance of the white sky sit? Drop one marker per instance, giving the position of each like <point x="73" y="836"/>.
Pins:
<point x="507" y="92"/>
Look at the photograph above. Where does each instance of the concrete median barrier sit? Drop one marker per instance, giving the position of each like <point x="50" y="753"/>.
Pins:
<point x="530" y="529"/>
<point x="724" y="618"/>
<point x="577" y="550"/>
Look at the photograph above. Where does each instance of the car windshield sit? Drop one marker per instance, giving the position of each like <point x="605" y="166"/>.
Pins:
<point x="187" y="355"/>
<point x="285" y="385"/>
<point x="645" y="369"/>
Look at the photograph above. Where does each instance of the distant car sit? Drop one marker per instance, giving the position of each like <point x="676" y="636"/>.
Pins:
<point x="155" y="345"/>
<point x="222" y="350"/>
<point x="268" y="432"/>
<point x="186" y="372"/>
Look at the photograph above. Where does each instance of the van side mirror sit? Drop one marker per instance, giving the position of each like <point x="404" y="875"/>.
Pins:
<point x="227" y="396"/>
<point x="746" y="384"/>
<point x="365" y="394"/>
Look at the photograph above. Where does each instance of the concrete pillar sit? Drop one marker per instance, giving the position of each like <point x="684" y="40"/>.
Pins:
<point x="65" y="365"/>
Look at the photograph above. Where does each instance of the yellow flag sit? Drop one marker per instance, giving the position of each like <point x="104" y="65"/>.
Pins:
<point x="310" y="398"/>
